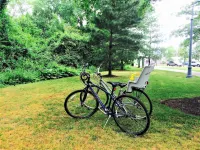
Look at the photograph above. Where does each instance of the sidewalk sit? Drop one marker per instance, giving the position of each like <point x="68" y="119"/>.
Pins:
<point x="194" y="73"/>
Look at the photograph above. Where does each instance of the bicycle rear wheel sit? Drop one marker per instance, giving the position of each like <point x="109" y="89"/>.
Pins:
<point x="130" y="115"/>
<point x="144" y="98"/>
<point x="81" y="104"/>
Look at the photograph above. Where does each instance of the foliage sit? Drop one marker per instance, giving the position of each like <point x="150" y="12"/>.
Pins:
<point x="48" y="37"/>
<point x="196" y="52"/>
<point x="185" y="32"/>
<point x="17" y="76"/>
<point x="27" y="47"/>
<point x="57" y="71"/>
<point x="3" y="4"/>
<point x="128" y="67"/>
<point x="183" y="52"/>
<point x="116" y="18"/>
<point x="30" y="72"/>
<point x="169" y="53"/>
<point x="152" y="37"/>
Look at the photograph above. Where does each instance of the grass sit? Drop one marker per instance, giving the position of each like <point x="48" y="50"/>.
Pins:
<point x="32" y="117"/>
<point x="197" y="69"/>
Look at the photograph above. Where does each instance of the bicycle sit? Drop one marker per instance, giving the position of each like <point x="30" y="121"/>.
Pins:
<point x="129" y="113"/>
<point x="136" y="92"/>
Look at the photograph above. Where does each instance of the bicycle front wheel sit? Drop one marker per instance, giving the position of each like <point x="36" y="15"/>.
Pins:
<point x="130" y="115"/>
<point x="81" y="104"/>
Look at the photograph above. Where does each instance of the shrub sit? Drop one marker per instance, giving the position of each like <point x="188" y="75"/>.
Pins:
<point x="17" y="76"/>
<point x="128" y="67"/>
<point x="54" y="71"/>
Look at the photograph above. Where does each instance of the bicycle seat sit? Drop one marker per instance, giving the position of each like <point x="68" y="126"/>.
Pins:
<point x="115" y="84"/>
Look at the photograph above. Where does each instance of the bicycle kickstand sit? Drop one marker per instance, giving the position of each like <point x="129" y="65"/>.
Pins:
<point x="106" y="121"/>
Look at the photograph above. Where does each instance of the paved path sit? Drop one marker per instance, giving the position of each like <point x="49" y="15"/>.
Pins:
<point x="194" y="73"/>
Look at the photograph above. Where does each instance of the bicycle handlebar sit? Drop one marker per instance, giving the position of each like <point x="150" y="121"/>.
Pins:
<point x="85" y="77"/>
<point x="98" y="71"/>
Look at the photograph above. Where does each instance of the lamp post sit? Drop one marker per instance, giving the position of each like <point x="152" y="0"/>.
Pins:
<point x="189" y="74"/>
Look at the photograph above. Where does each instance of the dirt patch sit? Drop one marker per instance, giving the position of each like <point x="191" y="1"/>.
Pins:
<point x="187" y="105"/>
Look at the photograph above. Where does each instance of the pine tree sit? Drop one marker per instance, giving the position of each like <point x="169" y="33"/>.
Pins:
<point x="152" y="36"/>
<point x="116" y="16"/>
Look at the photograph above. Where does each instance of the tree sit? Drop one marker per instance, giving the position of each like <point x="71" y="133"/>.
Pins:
<point x="183" y="51"/>
<point x="116" y="16"/>
<point x="170" y="52"/>
<point x="127" y="45"/>
<point x="185" y="32"/>
<point x="196" y="52"/>
<point x="152" y="36"/>
<point x="3" y="4"/>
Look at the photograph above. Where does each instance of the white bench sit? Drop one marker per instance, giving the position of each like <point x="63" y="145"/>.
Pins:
<point x="142" y="81"/>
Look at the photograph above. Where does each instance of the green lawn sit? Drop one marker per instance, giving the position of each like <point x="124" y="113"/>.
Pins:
<point x="32" y="117"/>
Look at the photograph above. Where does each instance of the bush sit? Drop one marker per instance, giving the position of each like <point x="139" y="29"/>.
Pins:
<point x="128" y="67"/>
<point x="29" y="71"/>
<point x="17" y="76"/>
<point x="59" y="72"/>
<point x="55" y="71"/>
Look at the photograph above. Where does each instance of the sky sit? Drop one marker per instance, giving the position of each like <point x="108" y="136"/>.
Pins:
<point x="169" y="21"/>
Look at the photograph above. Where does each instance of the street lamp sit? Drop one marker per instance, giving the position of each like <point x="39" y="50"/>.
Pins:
<point x="189" y="74"/>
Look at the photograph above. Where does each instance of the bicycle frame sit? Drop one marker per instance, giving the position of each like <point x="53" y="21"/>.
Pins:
<point x="105" y="86"/>
<point x="112" y="97"/>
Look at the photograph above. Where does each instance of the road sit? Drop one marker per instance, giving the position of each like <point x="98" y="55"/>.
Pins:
<point x="194" y="73"/>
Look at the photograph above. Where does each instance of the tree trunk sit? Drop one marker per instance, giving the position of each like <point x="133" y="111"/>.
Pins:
<point x="110" y="55"/>
<point x="138" y="62"/>
<point x="142" y="62"/>
<point x="133" y="63"/>
<point x="122" y="65"/>
<point x="149" y="60"/>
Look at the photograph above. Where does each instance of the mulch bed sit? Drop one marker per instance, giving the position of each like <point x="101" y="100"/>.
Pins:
<point x="187" y="105"/>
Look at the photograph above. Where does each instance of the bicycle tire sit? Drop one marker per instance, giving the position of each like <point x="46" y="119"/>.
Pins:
<point x="144" y="98"/>
<point x="87" y="104"/>
<point x="128" y="114"/>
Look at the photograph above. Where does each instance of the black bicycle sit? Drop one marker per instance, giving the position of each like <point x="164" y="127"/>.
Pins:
<point x="136" y="92"/>
<point x="128" y="112"/>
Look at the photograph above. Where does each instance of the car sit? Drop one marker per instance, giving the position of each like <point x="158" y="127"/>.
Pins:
<point x="172" y="63"/>
<point x="185" y="63"/>
<point x="198" y="64"/>
<point x="195" y="64"/>
<point x="179" y="64"/>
